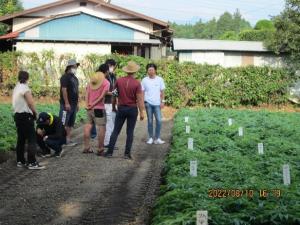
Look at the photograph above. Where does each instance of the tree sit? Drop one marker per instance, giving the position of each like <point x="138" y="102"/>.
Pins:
<point x="286" y="39"/>
<point x="264" y="25"/>
<point x="8" y="7"/>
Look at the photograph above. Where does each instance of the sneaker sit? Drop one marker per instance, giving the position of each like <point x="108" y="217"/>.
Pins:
<point x="71" y="144"/>
<point x="127" y="156"/>
<point x="35" y="166"/>
<point x="150" y="141"/>
<point x="107" y="155"/>
<point x="59" y="154"/>
<point x="158" y="141"/>
<point x="45" y="155"/>
<point x="21" y="165"/>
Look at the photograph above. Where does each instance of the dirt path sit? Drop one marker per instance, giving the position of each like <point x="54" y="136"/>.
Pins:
<point x="86" y="189"/>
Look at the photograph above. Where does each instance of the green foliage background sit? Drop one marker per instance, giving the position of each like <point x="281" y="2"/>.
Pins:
<point x="227" y="161"/>
<point x="188" y="84"/>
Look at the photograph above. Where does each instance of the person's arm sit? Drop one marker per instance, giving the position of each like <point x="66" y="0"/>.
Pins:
<point x="30" y="103"/>
<point x="64" y="85"/>
<point x="162" y="94"/>
<point x="140" y="103"/>
<point x="66" y="100"/>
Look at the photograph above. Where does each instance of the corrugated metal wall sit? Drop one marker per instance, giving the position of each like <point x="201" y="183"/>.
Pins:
<point x="80" y="27"/>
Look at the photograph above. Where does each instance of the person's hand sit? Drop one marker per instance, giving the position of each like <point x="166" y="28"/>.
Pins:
<point x="162" y="105"/>
<point x="45" y="138"/>
<point x="40" y="132"/>
<point x="35" y="115"/>
<point x="142" y="116"/>
<point x="88" y="107"/>
<point x="67" y="107"/>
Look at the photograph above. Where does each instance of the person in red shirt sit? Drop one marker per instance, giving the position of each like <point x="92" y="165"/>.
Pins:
<point x="95" y="94"/>
<point x="130" y="100"/>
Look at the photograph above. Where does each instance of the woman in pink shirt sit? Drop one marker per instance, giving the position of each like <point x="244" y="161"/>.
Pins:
<point x="95" y="93"/>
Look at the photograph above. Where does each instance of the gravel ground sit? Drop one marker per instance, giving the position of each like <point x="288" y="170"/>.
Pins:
<point x="86" y="189"/>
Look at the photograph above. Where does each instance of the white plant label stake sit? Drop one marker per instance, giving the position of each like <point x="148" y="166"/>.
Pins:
<point x="202" y="218"/>
<point x="190" y="143"/>
<point x="286" y="175"/>
<point x="186" y="119"/>
<point x="260" y="148"/>
<point x="230" y="122"/>
<point x="193" y="168"/>
<point x="241" y="131"/>
<point x="187" y="129"/>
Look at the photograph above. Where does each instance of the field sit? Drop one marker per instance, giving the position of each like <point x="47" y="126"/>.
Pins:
<point x="8" y="130"/>
<point x="234" y="183"/>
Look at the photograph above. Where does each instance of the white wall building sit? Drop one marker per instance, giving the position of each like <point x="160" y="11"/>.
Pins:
<point x="225" y="53"/>
<point x="86" y="26"/>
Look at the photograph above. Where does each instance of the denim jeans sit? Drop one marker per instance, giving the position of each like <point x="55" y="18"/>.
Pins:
<point x="55" y="144"/>
<point x="125" y="113"/>
<point x="153" y="110"/>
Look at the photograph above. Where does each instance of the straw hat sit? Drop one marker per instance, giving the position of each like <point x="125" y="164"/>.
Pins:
<point x="131" y="67"/>
<point x="96" y="80"/>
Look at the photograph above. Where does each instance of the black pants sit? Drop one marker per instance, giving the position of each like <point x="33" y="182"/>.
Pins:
<point x="124" y="113"/>
<point x="25" y="132"/>
<point x="55" y="144"/>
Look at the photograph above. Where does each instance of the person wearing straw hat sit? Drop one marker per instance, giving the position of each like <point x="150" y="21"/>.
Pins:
<point x="69" y="97"/>
<point x="130" y="99"/>
<point x="95" y="94"/>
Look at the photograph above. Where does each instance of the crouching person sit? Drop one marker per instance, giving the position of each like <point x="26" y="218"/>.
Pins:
<point x="51" y="134"/>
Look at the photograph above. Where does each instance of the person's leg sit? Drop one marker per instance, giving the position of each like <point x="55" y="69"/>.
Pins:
<point x="109" y="123"/>
<point x="131" y="121"/>
<point x="149" y="112"/>
<point x="101" y="132"/>
<point x="54" y="144"/>
<point x="120" y="119"/>
<point x="31" y="151"/>
<point x="87" y="130"/>
<point x="42" y="145"/>
<point x="20" y="141"/>
<point x="70" y="122"/>
<point x="157" y="115"/>
<point x="93" y="131"/>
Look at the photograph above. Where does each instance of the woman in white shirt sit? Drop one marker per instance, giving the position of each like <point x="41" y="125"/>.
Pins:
<point x="24" y="115"/>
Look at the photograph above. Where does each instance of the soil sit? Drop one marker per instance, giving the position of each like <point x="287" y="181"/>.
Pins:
<point x="86" y="189"/>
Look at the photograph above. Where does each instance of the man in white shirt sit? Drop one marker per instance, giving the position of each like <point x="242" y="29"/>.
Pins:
<point x="153" y="87"/>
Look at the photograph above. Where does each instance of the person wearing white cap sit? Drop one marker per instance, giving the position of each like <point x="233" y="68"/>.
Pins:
<point x="69" y="97"/>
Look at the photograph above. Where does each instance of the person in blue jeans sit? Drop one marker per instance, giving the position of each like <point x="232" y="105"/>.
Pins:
<point x="51" y="134"/>
<point x="153" y="87"/>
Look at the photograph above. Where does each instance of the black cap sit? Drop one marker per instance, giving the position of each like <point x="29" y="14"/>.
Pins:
<point x="43" y="117"/>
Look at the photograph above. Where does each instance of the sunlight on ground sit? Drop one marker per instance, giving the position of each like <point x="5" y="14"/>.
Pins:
<point x="70" y="209"/>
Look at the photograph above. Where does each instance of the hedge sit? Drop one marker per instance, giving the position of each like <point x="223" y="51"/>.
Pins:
<point x="188" y="84"/>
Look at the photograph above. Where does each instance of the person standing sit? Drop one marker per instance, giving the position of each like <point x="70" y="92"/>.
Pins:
<point x="153" y="87"/>
<point x="50" y="134"/>
<point x="110" y="114"/>
<point x="24" y="116"/>
<point x="95" y="93"/>
<point x="130" y="99"/>
<point x="69" y="97"/>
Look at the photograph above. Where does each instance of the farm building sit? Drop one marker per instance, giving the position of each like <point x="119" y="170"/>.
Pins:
<point x="86" y="26"/>
<point x="225" y="53"/>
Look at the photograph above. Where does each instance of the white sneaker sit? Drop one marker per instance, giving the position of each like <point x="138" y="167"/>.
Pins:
<point x="150" y="141"/>
<point x="158" y="141"/>
<point x="35" y="166"/>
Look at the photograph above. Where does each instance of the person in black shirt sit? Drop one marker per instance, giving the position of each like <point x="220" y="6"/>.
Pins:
<point x="69" y="97"/>
<point x="50" y="134"/>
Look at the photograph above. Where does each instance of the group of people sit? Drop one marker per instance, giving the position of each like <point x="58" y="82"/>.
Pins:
<point x="109" y="102"/>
